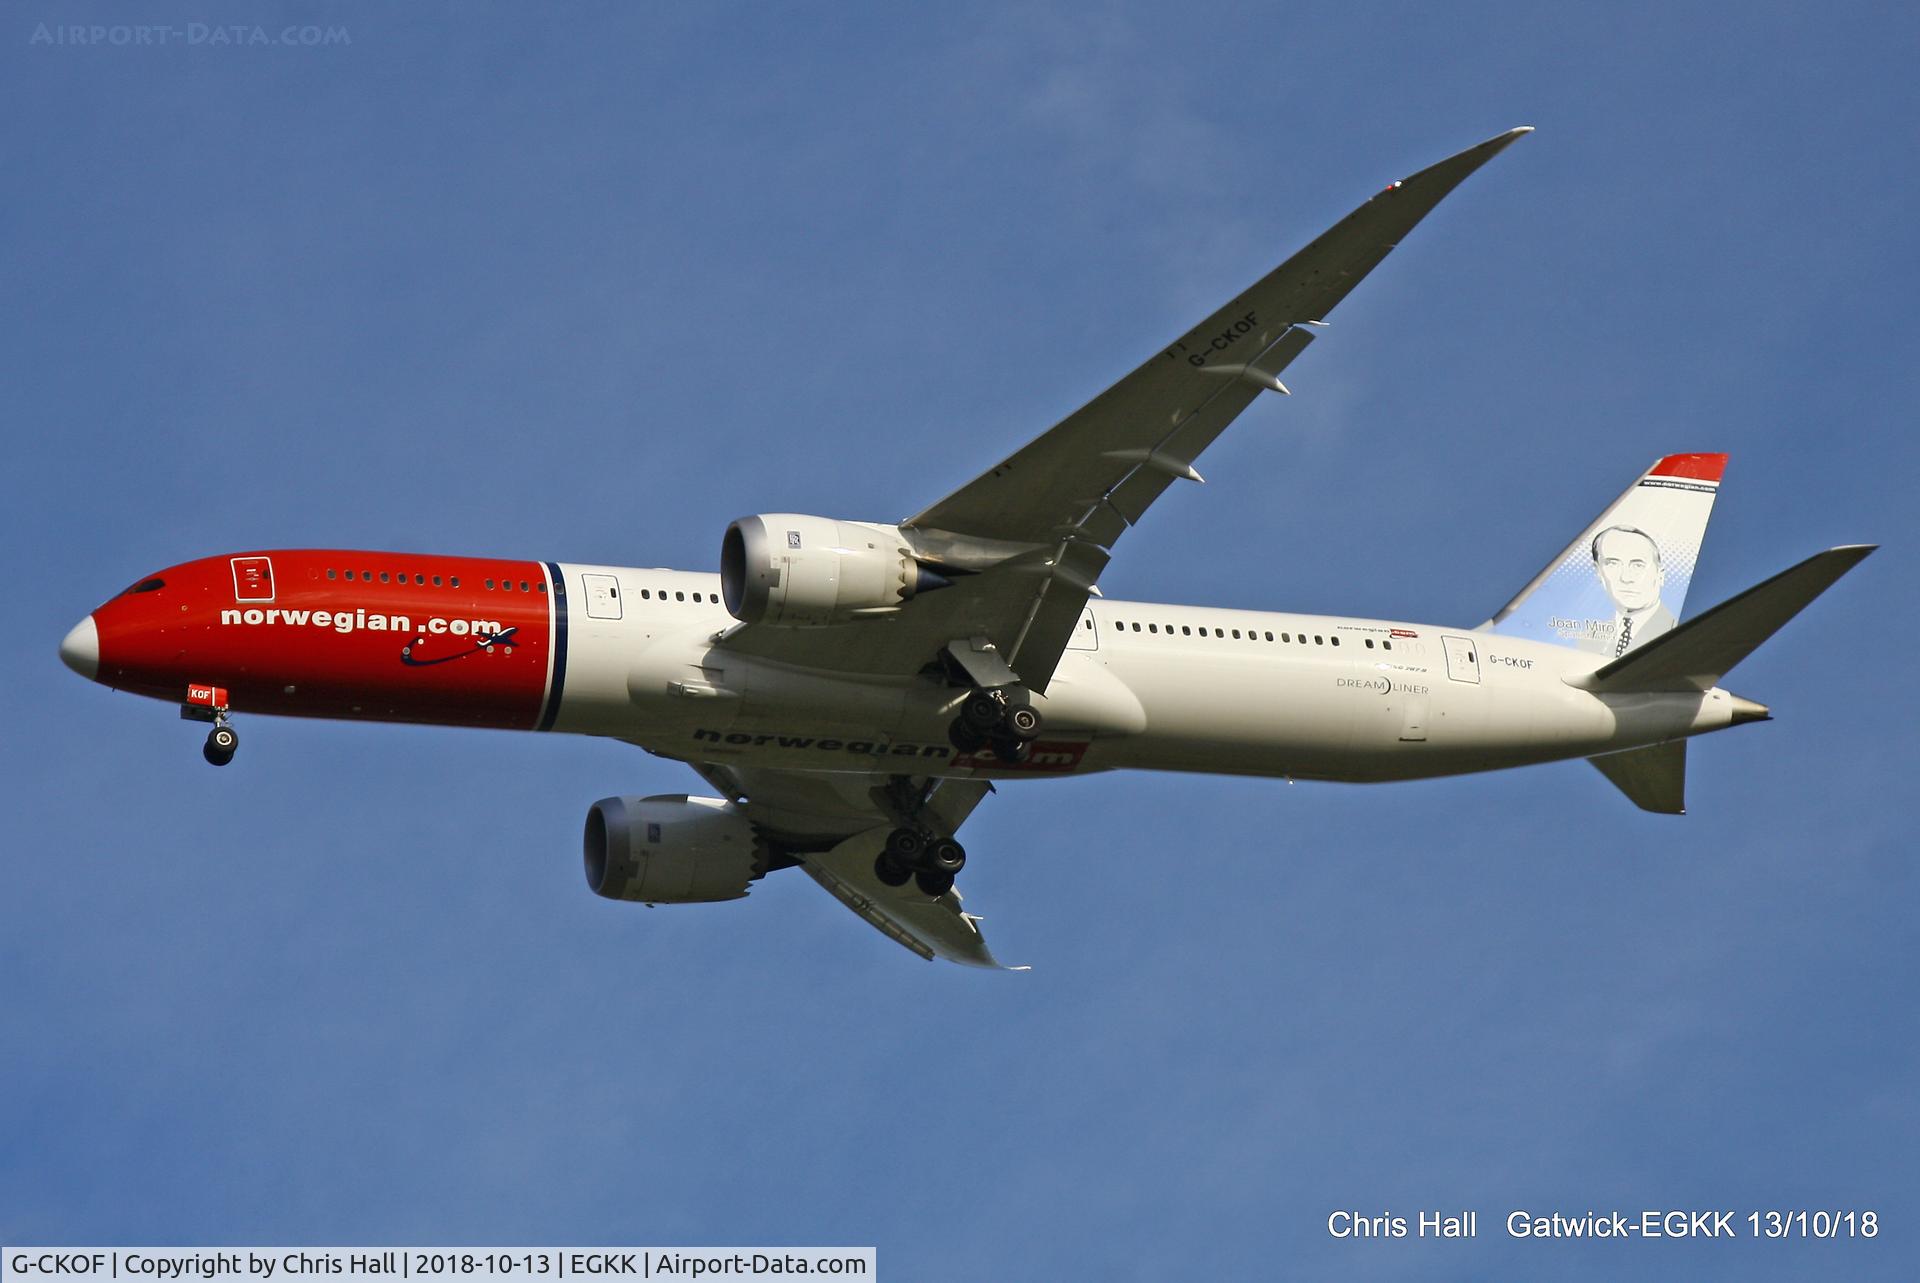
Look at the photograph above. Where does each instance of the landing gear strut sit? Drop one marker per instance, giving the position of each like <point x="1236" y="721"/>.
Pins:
<point x="207" y="703"/>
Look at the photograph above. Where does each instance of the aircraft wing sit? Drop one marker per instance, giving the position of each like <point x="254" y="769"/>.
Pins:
<point x="1035" y="531"/>
<point x="837" y="822"/>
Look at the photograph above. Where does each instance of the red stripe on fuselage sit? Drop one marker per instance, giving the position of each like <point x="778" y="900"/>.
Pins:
<point x="397" y="642"/>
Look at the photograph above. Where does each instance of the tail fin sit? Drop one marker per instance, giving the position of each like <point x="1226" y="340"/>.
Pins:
<point x="1624" y="580"/>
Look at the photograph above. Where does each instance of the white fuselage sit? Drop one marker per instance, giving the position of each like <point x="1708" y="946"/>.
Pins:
<point x="1142" y="686"/>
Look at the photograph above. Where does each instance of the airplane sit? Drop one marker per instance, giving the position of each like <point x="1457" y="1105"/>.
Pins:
<point x="852" y="690"/>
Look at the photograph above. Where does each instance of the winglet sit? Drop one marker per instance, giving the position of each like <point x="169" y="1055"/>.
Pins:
<point x="1452" y="171"/>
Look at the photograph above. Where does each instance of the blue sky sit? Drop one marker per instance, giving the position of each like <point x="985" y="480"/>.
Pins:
<point x="588" y="287"/>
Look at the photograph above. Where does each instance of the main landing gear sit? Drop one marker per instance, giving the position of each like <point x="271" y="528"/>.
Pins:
<point x="920" y="848"/>
<point x="989" y="719"/>
<point x="209" y="704"/>
<point x="931" y="862"/>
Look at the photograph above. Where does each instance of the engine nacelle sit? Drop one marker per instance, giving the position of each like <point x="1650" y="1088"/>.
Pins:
<point x="671" y="850"/>
<point x="786" y="569"/>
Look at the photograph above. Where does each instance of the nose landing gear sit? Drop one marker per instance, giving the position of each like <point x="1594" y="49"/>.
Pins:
<point x="209" y="704"/>
<point x="222" y="743"/>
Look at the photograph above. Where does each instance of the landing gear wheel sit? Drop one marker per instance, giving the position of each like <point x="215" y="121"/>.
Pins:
<point x="945" y="856"/>
<point x="890" y="871"/>
<point x="906" y="847"/>
<point x="934" y="884"/>
<point x="964" y="738"/>
<point x="1023" y="722"/>
<point x="1011" y="751"/>
<point x="982" y="712"/>
<point x="221" y="745"/>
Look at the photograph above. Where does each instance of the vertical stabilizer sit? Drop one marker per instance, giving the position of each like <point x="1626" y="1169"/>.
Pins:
<point x="1623" y="580"/>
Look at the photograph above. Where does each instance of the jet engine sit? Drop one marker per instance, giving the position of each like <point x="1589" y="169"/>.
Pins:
<point x="794" y="571"/>
<point x="671" y="849"/>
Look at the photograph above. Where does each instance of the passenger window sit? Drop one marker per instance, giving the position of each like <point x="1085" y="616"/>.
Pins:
<point x="1369" y="643"/>
<point x="1136" y="628"/>
<point x="523" y="585"/>
<point x="1236" y="634"/>
<point x="1386" y="645"/>
<point x="1186" y="630"/>
<point x="436" y="581"/>
<point x="1317" y="641"/>
<point x="383" y="577"/>
<point x="489" y="585"/>
<point x="1153" y="628"/>
<point x="540" y="586"/>
<point x="455" y="581"/>
<point x="1269" y="636"/>
<point x="330" y="573"/>
<point x="679" y="596"/>
<point x="1336" y="641"/>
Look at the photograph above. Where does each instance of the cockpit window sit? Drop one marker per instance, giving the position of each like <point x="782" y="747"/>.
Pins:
<point x="148" y="585"/>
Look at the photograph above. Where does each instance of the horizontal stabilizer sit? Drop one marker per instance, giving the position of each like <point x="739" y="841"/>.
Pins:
<point x="1697" y="654"/>
<point x="1653" y="778"/>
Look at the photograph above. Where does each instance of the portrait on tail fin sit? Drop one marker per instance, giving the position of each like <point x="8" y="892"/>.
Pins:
<point x="1623" y="580"/>
<point x="1627" y="561"/>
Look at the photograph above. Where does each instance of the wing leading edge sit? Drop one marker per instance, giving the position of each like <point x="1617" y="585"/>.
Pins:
<point x="1037" y="529"/>
<point x="1096" y="471"/>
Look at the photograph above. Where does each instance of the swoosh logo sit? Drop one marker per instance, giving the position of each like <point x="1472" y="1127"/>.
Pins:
<point x="479" y="644"/>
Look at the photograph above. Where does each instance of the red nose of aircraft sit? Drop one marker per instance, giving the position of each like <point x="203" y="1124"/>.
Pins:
<point x="80" y="649"/>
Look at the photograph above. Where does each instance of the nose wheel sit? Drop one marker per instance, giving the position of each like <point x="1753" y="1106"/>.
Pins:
<point x="222" y="743"/>
<point x="208" y="703"/>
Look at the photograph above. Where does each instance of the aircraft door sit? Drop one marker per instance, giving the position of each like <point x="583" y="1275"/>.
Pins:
<point x="1463" y="658"/>
<point x="603" y="596"/>
<point x="1413" y="714"/>
<point x="1086" y="633"/>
